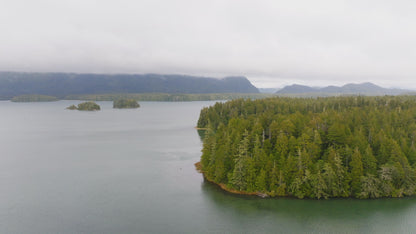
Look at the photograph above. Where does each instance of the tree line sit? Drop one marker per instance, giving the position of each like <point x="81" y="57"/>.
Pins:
<point x="361" y="147"/>
<point x="168" y="97"/>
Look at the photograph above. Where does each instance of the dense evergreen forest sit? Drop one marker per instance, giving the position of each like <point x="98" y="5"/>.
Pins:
<point x="85" y="106"/>
<point x="362" y="147"/>
<point x="125" y="104"/>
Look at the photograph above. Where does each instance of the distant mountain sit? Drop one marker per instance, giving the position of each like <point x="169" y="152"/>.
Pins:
<point x="63" y="84"/>
<point x="295" y="88"/>
<point x="368" y="89"/>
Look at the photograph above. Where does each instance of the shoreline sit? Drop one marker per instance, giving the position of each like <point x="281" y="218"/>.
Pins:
<point x="198" y="167"/>
<point x="200" y="129"/>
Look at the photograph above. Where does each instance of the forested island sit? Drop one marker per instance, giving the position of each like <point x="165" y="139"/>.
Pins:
<point x="360" y="147"/>
<point x="85" y="106"/>
<point x="34" y="98"/>
<point x="125" y="104"/>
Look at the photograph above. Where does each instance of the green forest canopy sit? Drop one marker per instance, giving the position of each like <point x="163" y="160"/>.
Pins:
<point x="125" y="103"/>
<point x="85" y="106"/>
<point x="362" y="147"/>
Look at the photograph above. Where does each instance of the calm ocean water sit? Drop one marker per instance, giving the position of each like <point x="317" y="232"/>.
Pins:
<point x="131" y="171"/>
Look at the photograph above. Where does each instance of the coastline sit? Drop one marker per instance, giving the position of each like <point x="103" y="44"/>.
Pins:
<point x="198" y="167"/>
<point x="200" y="129"/>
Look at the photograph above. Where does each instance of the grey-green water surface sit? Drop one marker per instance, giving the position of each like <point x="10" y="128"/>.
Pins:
<point x="131" y="171"/>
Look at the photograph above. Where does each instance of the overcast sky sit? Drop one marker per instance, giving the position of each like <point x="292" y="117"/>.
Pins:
<point x="272" y="43"/>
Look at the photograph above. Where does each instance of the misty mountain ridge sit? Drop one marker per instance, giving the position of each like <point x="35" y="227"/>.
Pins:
<point x="366" y="88"/>
<point x="64" y="84"/>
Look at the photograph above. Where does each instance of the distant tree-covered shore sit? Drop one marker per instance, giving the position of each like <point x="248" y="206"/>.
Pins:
<point x="168" y="97"/>
<point x="361" y="147"/>
<point x="34" y="98"/>
<point x="157" y="97"/>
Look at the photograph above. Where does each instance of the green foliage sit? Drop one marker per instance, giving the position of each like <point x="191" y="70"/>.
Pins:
<point x="125" y="103"/>
<point x="72" y="107"/>
<point x="359" y="147"/>
<point x="356" y="171"/>
<point x="85" y="106"/>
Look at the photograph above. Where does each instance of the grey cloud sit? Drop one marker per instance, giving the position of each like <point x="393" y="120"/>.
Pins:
<point x="271" y="42"/>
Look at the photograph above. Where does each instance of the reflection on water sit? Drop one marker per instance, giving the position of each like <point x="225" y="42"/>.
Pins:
<point x="336" y="215"/>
